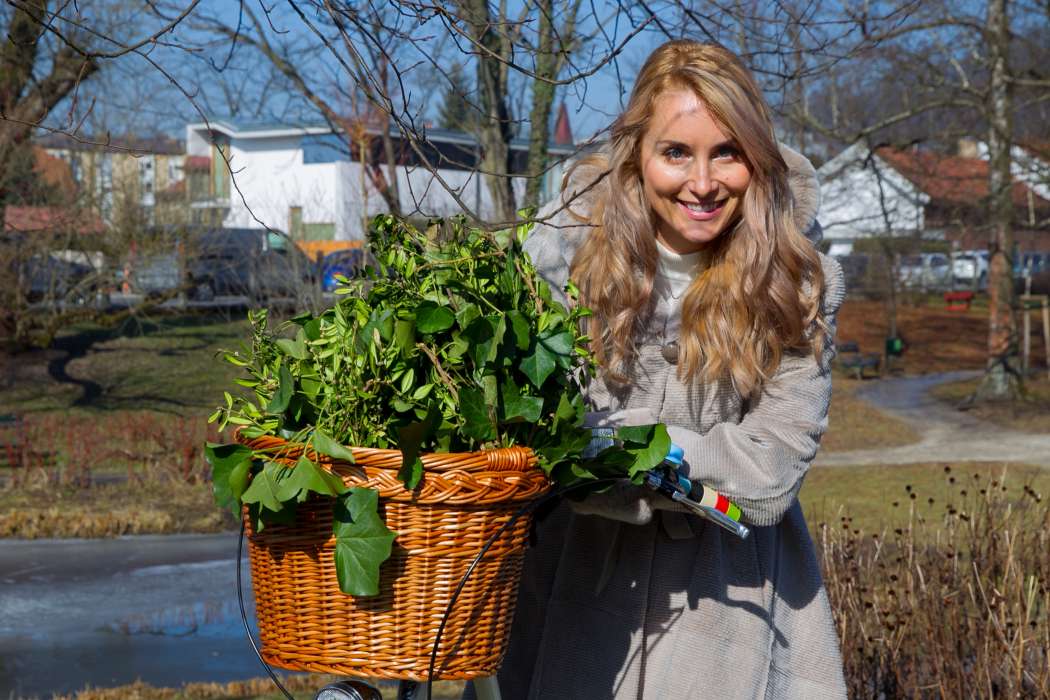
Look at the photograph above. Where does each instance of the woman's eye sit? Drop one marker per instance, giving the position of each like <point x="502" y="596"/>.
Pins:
<point x="726" y="152"/>
<point x="674" y="153"/>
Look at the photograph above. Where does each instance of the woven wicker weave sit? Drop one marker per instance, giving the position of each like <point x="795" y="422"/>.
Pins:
<point x="307" y="623"/>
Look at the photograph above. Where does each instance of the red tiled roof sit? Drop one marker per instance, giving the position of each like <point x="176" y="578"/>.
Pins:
<point x="197" y="163"/>
<point x="51" y="220"/>
<point x="55" y="173"/>
<point x="952" y="180"/>
<point x="562" y="127"/>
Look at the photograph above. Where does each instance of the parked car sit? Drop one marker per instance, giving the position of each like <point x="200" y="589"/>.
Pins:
<point x="348" y="263"/>
<point x="257" y="265"/>
<point x="1032" y="273"/>
<point x="50" y="279"/>
<point x="970" y="268"/>
<point x="261" y="264"/>
<point x="925" y="271"/>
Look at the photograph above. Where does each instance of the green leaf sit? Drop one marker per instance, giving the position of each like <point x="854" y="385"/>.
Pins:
<point x="652" y="452"/>
<point x="560" y="346"/>
<point x="283" y="396"/>
<point x="518" y="407"/>
<point x="466" y="315"/>
<point x="307" y="477"/>
<point x="519" y="326"/>
<point x="432" y="318"/>
<point x="312" y="329"/>
<point x="410" y="439"/>
<point x="482" y="338"/>
<point x="238" y="483"/>
<point x="265" y="488"/>
<point x="294" y="348"/>
<point x="477" y="423"/>
<point x="362" y="542"/>
<point x="538" y="365"/>
<point x="408" y="379"/>
<point x="405" y="335"/>
<point x="224" y="459"/>
<point x="327" y="446"/>
<point x="635" y="435"/>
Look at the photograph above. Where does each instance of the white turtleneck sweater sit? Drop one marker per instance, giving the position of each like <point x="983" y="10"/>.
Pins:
<point x="674" y="272"/>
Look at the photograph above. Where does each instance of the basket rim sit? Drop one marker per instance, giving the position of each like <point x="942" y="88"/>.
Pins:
<point x="484" y="477"/>
<point x="381" y="457"/>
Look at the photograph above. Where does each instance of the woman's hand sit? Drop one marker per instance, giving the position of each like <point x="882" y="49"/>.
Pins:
<point x="623" y="501"/>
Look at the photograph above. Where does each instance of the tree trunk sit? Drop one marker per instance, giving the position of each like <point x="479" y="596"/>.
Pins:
<point x="494" y="130"/>
<point x="542" y="101"/>
<point x="1002" y="379"/>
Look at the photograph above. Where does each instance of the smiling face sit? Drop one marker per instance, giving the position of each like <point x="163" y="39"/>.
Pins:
<point x="693" y="175"/>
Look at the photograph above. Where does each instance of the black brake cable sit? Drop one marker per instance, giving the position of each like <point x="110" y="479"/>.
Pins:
<point x="244" y="618"/>
<point x="527" y="508"/>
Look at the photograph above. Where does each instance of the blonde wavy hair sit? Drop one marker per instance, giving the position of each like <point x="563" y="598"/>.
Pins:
<point x="759" y="294"/>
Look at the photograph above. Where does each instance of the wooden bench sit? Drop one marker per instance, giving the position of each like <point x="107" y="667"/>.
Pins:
<point x="959" y="300"/>
<point x="851" y="358"/>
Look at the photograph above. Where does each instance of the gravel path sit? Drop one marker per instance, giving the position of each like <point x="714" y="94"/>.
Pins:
<point x="947" y="434"/>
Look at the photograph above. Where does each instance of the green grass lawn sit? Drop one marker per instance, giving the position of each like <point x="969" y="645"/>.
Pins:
<point x="881" y="497"/>
<point x="165" y="364"/>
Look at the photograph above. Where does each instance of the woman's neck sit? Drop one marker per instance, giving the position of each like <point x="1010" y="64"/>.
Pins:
<point x="677" y="270"/>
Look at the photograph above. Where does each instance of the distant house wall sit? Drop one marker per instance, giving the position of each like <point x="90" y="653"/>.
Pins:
<point x="304" y="181"/>
<point x="122" y="182"/>
<point x="862" y="196"/>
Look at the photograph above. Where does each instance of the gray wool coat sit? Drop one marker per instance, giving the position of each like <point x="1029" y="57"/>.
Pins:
<point x="677" y="608"/>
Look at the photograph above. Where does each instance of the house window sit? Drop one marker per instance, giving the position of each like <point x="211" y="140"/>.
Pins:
<point x="324" y="148"/>
<point x="295" y="222"/>
<point x="220" y="170"/>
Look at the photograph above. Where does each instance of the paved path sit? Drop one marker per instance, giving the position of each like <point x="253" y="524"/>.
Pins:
<point x="947" y="434"/>
<point x="105" y="612"/>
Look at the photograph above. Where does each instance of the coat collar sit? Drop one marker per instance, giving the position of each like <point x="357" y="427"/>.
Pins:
<point x="802" y="178"/>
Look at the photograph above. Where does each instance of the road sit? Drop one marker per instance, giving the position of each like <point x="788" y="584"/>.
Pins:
<point x="106" y="612"/>
<point x="946" y="434"/>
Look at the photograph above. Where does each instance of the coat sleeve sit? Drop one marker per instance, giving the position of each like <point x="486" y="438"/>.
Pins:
<point x="760" y="463"/>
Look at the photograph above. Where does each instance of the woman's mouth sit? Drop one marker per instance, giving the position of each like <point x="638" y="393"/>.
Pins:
<point x="701" y="211"/>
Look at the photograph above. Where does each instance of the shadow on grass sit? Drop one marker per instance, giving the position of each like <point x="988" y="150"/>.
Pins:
<point x="81" y="342"/>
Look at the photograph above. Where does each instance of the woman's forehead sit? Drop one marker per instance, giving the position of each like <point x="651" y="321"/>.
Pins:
<point x="681" y="115"/>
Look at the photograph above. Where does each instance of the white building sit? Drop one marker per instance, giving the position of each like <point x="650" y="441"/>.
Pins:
<point x="919" y="193"/>
<point x="302" y="179"/>
<point x="863" y="195"/>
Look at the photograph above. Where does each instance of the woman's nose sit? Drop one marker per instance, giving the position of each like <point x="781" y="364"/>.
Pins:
<point x="701" y="179"/>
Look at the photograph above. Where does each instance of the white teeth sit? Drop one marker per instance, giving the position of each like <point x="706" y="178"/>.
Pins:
<point x="701" y="206"/>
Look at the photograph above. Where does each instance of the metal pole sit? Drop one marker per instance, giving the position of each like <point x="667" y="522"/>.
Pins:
<point x="1046" y="333"/>
<point x="1027" y="350"/>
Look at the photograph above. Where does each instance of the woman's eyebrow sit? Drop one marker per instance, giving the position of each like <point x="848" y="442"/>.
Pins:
<point x="727" y="143"/>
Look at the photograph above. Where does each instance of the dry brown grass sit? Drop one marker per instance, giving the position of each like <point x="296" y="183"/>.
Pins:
<point x="1030" y="415"/>
<point x="854" y="424"/>
<point x="948" y="605"/>
<point x="152" y="506"/>
<point x="938" y="340"/>
<point x="302" y="686"/>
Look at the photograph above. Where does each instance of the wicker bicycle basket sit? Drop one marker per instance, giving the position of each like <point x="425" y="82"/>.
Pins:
<point x="307" y="623"/>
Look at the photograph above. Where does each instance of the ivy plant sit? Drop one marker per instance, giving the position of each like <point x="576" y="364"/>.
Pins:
<point x="452" y="342"/>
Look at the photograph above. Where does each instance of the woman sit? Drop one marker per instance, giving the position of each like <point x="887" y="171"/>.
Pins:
<point x="714" y="314"/>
